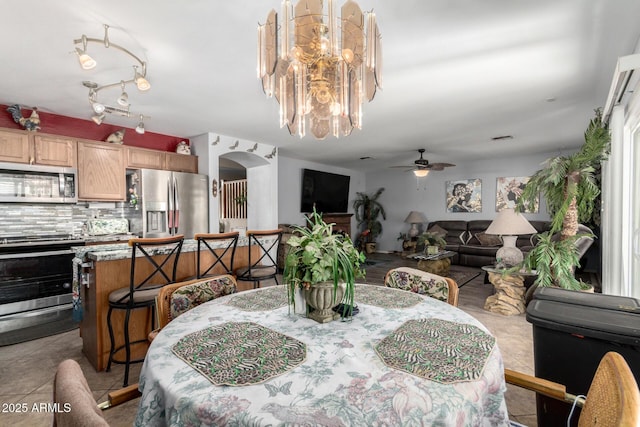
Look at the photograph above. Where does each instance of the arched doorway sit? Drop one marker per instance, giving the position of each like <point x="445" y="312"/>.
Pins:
<point x="233" y="195"/>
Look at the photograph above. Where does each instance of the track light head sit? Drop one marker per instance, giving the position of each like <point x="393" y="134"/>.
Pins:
<point x="140" y="127"/>
<point x="98" y="118"/>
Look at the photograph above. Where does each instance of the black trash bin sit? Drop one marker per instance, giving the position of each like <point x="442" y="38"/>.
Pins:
<point x="572" y="331"/>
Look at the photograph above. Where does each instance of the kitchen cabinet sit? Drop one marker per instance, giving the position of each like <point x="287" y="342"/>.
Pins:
<point x="152" y="159"/>
<point x="54" y="150"/>
<point x="27" y="147"/>
<point x="14" y="146"/>
<point x="181" y="162"/>
<point x="144" y="159"/>
<point x="101" y="171"/>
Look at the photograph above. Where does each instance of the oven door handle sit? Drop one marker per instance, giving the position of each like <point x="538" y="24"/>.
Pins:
<point x="36" y="254"/>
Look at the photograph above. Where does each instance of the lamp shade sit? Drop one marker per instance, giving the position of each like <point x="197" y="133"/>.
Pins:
<point x="415" y="217"/>
<point x="510" y="223"/>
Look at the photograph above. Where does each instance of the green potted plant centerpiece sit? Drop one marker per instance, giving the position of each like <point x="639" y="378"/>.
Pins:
<point x="570" y="189"/>
<point x="324" y="265"/>
<point x="433" y="242"/>
<point x="368" y="209"/>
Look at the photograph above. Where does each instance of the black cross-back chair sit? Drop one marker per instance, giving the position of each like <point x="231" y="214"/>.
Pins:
<point x="265" y="265"/>
<point x="224" y="243"/>
<point x="142" y="293"/>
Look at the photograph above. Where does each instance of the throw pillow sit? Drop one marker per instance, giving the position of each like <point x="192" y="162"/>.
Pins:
<point x="437" y="230"/>
<point x="488" y="239"/>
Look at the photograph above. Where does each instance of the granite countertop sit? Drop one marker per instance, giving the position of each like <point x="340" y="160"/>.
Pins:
<point x="116" y="251"/>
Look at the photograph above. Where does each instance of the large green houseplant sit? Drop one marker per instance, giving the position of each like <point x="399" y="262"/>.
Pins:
<point x="569" y="186"/>
<point x="316" y="256"/>
<point x="368" y="209"/>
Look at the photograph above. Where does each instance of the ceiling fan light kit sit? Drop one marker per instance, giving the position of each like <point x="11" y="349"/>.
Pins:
<point x="320" y="67"/>
<point x="88" y="63"/>
<point x="421" y="167"/>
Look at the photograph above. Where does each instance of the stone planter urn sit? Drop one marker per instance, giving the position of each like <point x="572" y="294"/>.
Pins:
<point x="370" y="247"/>
<point x="322" y="298"/>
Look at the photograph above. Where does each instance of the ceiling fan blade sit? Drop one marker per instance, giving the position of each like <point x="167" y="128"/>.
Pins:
<point x="405" y="166"/>
<point x="441" y="166"/>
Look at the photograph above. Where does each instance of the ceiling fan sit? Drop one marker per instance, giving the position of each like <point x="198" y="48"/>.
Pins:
<point x="421" y="166"/>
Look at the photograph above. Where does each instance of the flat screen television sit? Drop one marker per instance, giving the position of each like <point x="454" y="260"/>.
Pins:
<point x="328" y="191"/>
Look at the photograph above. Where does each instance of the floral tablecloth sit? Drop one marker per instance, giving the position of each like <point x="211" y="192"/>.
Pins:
<point x="342" y="382"/>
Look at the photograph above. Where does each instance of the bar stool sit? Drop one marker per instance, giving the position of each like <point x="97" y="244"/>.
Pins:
<point x="142" y="293"/>
<point x="225" y="244"/>
<point x="265" y="266"/>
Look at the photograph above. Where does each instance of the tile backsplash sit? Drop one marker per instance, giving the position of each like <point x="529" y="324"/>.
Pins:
<point x="20" y="219"/>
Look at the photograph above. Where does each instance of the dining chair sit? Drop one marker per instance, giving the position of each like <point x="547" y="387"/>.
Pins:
<point x="178" y="298"/>
<point x="613" y="398"/>
<point x="75" y="401"/>
<point x="263" y="264"/>
<point x="145" y="281"/>
<point x="421" y="282"/>
<point x="219" y="249"/>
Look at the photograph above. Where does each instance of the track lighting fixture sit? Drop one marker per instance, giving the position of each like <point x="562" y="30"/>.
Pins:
<point x="123" y="99"/>
<point x="98" y="108"/>
<point x="98" y="118"/>
<point x="140" y="127"/>
<point x="139" y="79"/>
<point x="142" y="83"/>
<point x="86" y="62"/>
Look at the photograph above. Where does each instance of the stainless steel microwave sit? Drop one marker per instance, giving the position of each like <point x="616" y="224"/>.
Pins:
<point x="37" y="184"/>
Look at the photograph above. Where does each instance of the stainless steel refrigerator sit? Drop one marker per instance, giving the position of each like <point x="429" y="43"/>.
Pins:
<point x="173" y="203"/>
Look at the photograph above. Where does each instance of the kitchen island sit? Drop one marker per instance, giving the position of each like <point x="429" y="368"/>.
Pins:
<point x="101" y="269"/>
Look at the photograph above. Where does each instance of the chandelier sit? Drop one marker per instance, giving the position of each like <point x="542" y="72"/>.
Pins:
<point x="138" y="78"/>
<point x="320" y="67"/>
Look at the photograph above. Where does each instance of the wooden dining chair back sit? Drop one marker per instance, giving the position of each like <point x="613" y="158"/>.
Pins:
<point x="613" y="398"/>
<point x="218" y="250"/>
<point x="178" y="298"/>
<point x="75" y="402"/>
<point x="154" y="263"/>
<point x="263" y="264"/>
<point x="424" y="283"/>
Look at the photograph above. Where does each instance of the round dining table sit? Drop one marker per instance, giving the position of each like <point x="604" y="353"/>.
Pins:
<point x="247" y="359"/>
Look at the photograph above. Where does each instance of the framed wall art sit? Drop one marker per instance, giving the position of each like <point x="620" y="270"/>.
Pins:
<point x="508" y="191"/>
<point x="464" y="195"/>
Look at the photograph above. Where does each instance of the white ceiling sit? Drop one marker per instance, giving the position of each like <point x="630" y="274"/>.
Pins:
<point x="456" y="72"/>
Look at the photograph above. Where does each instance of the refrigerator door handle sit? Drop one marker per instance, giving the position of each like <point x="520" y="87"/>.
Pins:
<point x="176" y="214"/>
<point x="170" y="218"/>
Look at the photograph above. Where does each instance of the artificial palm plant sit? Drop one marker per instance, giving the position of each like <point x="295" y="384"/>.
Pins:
<point x="570" y="188"/>
<point x="368" y="209"/>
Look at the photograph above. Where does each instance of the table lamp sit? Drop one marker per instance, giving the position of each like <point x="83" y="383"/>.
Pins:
<point x="414" y="218"/>
<point x="509" y="224"/>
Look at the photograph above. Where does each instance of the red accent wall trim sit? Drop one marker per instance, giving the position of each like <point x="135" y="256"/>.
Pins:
<point x="87" y="129"/>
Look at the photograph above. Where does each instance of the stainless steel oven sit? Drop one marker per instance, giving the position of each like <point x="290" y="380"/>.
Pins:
<point x="35" y="287"/>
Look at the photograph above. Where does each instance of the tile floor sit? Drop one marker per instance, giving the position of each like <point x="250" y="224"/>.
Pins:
<point x="27" y="369"/>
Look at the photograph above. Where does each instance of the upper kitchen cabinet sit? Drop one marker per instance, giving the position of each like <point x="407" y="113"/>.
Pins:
<point x="25" y="147"/>
<point x="181" y="163"/>
<point x="144" y="159"/>
<point x="14" y="146"/>
<point x="54" y="150"/>
<point x="101" y="171"/>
